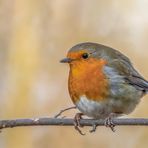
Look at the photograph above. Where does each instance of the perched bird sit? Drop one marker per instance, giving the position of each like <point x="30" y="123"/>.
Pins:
<point x="103" y="82"/>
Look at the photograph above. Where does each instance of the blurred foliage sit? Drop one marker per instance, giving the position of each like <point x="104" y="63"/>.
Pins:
<point x="34" y="36"/>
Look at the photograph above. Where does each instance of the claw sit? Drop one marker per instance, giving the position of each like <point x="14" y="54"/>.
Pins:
<point x="77" y="124"/>
<point x="109" y="123"/>
<point x="94" y="127"/>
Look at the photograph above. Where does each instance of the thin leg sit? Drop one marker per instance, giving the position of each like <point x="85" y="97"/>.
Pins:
<point x="109" y="122"/>
<point x="77" y="124"/>
<point x="63" y="110"/>
<point x="94" y="128"/>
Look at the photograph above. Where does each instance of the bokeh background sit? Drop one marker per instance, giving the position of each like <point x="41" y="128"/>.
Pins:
<point x="34" y="36"/>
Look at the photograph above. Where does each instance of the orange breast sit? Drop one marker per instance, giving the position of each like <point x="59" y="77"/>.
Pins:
<point x="86" y="77"/>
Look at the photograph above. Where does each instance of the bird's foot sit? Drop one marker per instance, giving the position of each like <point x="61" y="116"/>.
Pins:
<point x="94" y="128"/>
<point x="77" y="124"/>
<point x="109" y="123"/>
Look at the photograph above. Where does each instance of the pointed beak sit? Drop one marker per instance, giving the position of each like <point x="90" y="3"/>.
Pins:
<point x="66" y="60"/>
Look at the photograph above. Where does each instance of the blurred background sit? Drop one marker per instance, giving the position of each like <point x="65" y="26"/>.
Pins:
<point x="34" y="36"/>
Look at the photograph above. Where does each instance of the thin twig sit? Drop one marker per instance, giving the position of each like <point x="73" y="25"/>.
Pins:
<point x="63" y="110"/>
<point x="69" y="122"/>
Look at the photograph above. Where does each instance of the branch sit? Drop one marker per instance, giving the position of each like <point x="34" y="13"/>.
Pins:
<point x="69" y="122"/>
<point x="63" y="110"/>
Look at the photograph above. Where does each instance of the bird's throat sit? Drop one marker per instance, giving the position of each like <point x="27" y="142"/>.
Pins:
<point x="87" y="78"/>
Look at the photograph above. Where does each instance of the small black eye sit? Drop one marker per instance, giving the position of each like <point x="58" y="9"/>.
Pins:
<point x="85" y="55"/>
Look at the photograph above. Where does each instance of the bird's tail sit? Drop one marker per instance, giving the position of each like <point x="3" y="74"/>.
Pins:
<point x="147" y="87"/>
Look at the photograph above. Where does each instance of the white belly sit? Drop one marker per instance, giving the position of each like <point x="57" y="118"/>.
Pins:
<point x="94" y="109"/>
<point x="102" y="109"/>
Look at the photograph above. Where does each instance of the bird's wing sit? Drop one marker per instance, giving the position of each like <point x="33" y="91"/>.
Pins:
<point x="125" y="69"/>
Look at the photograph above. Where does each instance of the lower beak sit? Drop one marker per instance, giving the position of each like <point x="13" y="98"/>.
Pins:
<point x="66" y="60"/>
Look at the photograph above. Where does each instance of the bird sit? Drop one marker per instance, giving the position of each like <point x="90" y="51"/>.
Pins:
<point x="102" y="83"/>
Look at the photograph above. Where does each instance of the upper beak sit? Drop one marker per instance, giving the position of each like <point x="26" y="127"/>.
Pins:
<point x="66" y="60"/>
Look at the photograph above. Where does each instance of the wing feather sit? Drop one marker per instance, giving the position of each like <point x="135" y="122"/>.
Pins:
<point x="126" y="69"/>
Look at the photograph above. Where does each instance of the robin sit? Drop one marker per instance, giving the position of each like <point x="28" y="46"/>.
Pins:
<point x="103" y="83"/>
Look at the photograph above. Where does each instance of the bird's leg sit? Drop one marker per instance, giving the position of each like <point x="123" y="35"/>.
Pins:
<point x="109" y="121"/>
<point x="77" y="124"/>
<point x="94" y="127"/>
